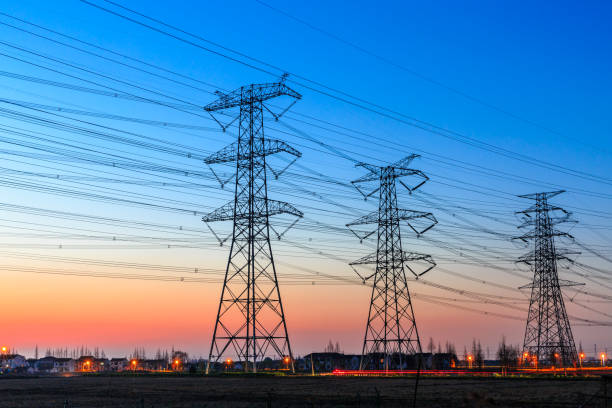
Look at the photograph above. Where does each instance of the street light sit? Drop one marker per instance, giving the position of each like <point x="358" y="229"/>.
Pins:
<point x="603" y="359"/>
<point x="580" y="358"/>
<point x="470" y="358"/>
<point x="4" y="349"/>
<point x="134" y="365"/>
<point x="287" y="360"/>
<point x="228" y="364"/>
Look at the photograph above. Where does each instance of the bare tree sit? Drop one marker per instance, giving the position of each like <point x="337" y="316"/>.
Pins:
<point x="430" y="345"/>
<point x="507" y="354"/>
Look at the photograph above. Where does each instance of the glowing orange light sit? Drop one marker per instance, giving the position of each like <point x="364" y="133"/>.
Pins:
<point x="581" y="355"/>
<point x="286" y="359"/>
<point x="133" y="362"/>
<point x="525" y="354"/>
<point x="228" y="361"/>
<point x="176" y="362"/>
<point x="470" y="358"/>
<point x="556" y="355"/>
<point x="3" y="349"/>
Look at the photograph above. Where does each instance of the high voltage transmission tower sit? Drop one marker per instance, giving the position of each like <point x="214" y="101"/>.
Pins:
<point x="250" y="319"/>
<point x="391" y="331"/>
<point x="548" y="334"/>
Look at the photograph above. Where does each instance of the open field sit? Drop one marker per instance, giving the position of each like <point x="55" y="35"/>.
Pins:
<point x="269" y="391"/>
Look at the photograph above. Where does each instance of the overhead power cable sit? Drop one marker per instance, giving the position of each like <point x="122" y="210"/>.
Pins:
<point x="419" y="75"/>
<point x="376" y="108"/>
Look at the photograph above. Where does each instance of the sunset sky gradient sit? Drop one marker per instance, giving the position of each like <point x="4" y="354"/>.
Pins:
<point x="546" y="64"/>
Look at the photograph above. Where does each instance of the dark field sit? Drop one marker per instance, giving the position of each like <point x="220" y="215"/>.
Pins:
<point x="243" y="391"/>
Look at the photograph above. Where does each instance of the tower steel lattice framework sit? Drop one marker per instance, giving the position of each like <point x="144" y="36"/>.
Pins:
<point x="391" y="331"/>
<point x="548" y="334"/>
<point x="250" y="319"/>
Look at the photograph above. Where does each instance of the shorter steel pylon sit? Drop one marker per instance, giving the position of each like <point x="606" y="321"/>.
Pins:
<point x="548" y="334"/>
<point x="391" y="331"/>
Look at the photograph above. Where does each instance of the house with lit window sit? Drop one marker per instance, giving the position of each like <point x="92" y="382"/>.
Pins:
<point x="86" y="364"/>
<point x="12" y="362"/>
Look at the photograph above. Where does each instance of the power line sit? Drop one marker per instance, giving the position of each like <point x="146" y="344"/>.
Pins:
<point x="420" y="75"/>
<point x="385" y="112"/>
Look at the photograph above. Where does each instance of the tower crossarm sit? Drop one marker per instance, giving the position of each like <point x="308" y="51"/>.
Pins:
<point x="547" y="207"/>
<point x="230" y="153"/>
<point x="406" y="256"/>
<point x="405" y="162"/>
<point x="371" y="218"/>
<point x="397" y="173"/>
<point x="251" y="94"/>
<point x="562" y="283"/>
<point x="546" y="195"/>
<point x="535" y="234"/>
<point x="226" y="211"/>
<point x="365" y="260"/>
<point x="402" y="215"/>
<point x="529" y="258"/>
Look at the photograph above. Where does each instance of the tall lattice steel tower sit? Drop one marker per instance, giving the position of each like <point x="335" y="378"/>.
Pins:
<point x="250" y="320"/>
<point x="548" y="335"/>
<point x="391" y="330"/>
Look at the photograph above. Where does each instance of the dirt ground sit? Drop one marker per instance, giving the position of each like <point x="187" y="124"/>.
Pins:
<point x="246" y="391"/>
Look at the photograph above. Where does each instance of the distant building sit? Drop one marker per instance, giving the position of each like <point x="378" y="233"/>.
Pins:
<point x="64" y="365"/>
<point x="102" y="364"/>
<point x="13" y="362"/>
<point x="45" y="365"/>
<point x="154" y="365"/>
<point x="90" y="364"/>
<point x="444" y="361"/>
<point x="119" y="364"/>
<point x="147" y="365"/>
<point x="180" y="360"/>
<point x="327" y="362"/>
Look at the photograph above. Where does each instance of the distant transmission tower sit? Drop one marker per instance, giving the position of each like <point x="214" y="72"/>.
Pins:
<point x="548" y="335"/>
<point x="391" y="331"/>
<point x="250" y="320"/>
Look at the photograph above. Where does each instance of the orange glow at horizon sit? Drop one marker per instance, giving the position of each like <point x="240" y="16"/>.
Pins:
<point x="119" y="315"/>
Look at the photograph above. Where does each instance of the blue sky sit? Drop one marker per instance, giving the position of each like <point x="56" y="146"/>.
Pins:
<point x="546" y="63"/>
